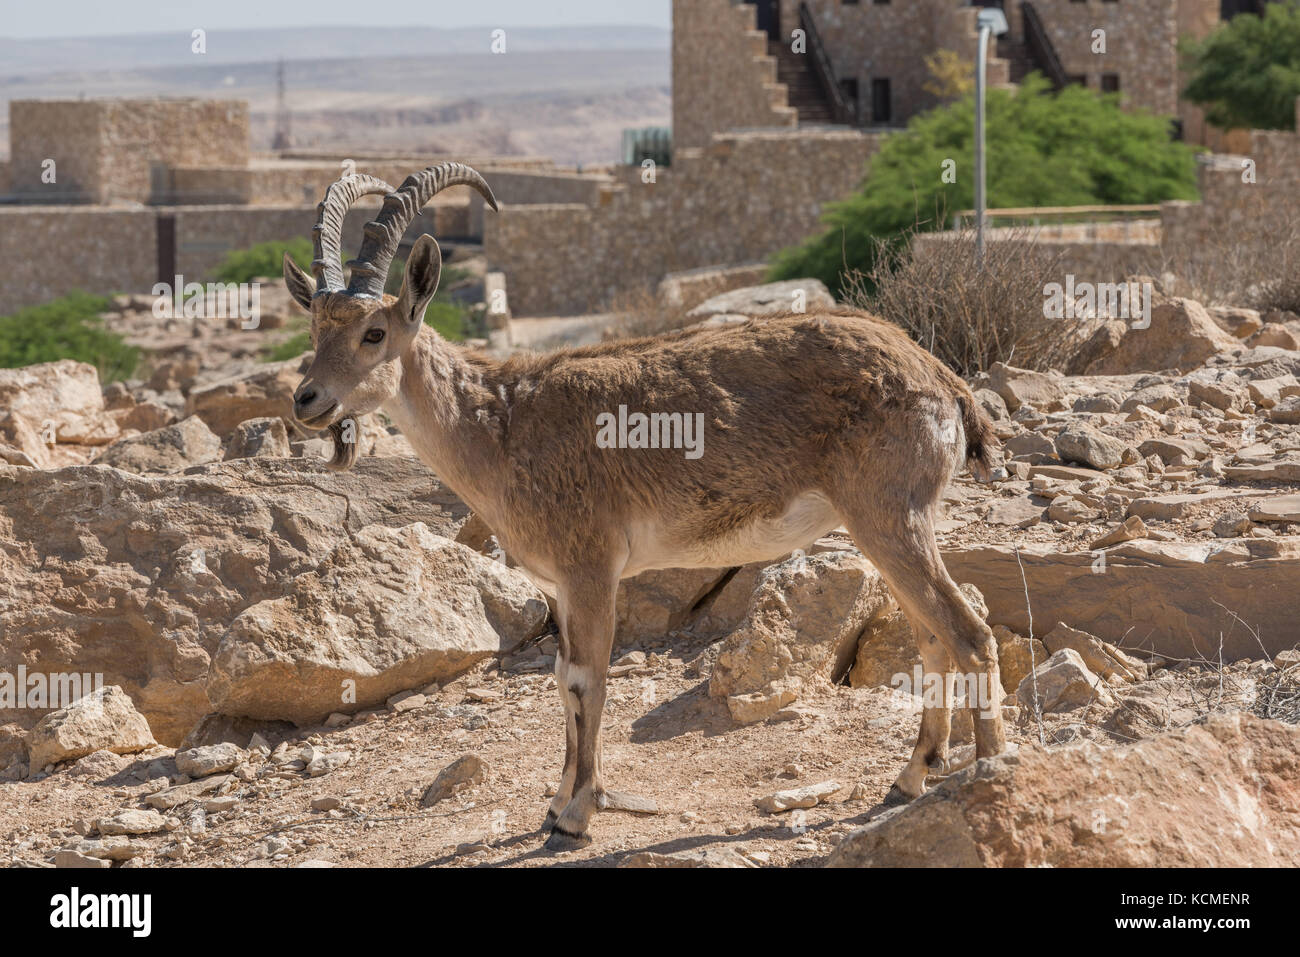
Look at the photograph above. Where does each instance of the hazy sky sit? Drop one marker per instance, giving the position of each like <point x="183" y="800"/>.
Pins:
<point x="75" y="18"/>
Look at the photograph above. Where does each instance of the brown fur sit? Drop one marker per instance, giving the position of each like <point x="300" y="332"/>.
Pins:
<point x="836" y="410"/>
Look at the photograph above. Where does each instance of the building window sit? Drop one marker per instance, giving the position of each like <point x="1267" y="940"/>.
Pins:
<point x="1110" y="83"/>
<point x="881" y="101"/>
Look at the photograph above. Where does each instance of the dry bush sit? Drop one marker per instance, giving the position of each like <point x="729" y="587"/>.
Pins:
<point x="642" y="313"/>
<point x="1252" y="260"/>
<point x="967" y="313"/>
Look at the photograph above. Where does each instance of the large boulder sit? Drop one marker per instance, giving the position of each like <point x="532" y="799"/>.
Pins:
<point x="802" y="626"/>
<point x="1218" y="794"/>
<point x="391" y="609"/>
<point x="1172" y="598"/>
<point x="139" y="577"/>
<point x="1182" y="335"/>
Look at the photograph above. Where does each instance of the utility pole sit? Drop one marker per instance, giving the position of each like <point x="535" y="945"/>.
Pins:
<point x="992" y="22"/>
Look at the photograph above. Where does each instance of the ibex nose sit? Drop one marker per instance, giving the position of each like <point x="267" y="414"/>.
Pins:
<point x="303" y="399"/>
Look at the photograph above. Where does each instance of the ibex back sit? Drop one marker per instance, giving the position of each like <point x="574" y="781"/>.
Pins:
<point x="808" y="421"/>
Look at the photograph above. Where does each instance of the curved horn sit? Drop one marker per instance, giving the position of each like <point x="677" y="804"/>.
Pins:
<point x="327" y="233"/>
<point x="384" y="234"/>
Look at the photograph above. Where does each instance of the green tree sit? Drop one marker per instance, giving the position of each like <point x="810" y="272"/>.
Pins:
<point x="1247" y="72"/>
<point x="1071" y="148"/>
<point x="66" y="328"/>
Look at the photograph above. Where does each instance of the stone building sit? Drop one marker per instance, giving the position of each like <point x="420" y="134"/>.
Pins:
<point x="114" y="195"/>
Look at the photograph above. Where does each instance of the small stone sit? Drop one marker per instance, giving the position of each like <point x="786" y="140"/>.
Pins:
<point x="131" y="822"/>
<point x="70" y="858"/>
<point x="464" y="772"/>
<point x="210" y="759"/>
<point x="810" y="795"/>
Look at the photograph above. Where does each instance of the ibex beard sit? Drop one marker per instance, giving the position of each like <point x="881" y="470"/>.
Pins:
<point x="814" y="421"/>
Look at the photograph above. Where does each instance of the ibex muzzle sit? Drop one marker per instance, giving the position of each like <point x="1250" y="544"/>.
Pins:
<point x="807" y="423"/>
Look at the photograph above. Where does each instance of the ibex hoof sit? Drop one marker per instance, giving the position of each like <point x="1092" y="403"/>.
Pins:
<point x="897" y="796"/>
<point x="549" y="823"/>
<point x="561" y="841"/>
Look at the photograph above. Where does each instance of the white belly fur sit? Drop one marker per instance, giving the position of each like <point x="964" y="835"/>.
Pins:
<point x="806" y="518"/>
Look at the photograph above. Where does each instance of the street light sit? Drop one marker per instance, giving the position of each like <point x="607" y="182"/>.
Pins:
<point x="991" y="22"/>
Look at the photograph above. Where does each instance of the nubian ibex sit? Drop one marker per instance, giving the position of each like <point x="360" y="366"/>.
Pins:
<point x="810" y="421"/>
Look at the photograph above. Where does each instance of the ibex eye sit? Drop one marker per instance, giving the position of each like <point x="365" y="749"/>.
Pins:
<point x="374" y="335"/>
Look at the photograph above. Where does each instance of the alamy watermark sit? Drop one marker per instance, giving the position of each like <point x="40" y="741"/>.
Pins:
<point x="1130" y="301"/>
<point x="654" y="430"/>
<point x="215" y="300"/>
<point x="40" y="691"/>
<point x="951" y="690"/>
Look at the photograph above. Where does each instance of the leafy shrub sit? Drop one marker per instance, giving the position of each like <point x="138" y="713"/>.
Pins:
<point x="66" y="328"/>
<point x="263" y="259"/>
<point x="1247" y="72"/>
<point x="1070" y="148"/>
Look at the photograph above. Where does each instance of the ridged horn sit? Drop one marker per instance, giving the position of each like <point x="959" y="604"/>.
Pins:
<point x="328" y="231"/>
<point x="384" y="234"/>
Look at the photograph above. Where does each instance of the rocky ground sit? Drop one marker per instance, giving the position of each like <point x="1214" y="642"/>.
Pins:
<point x="311" y="669"/>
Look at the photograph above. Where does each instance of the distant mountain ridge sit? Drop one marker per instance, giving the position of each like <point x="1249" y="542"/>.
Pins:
<point x="27" y="57"/>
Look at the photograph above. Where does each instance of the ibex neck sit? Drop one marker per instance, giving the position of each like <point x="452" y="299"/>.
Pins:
<point x="455" y="414"/>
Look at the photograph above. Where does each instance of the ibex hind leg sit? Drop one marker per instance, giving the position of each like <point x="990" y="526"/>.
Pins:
<point x="931" y="752"/>
<point x="898" y="538"/>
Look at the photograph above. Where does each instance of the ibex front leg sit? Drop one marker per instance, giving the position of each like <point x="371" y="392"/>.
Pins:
<point x="586" y="612"/>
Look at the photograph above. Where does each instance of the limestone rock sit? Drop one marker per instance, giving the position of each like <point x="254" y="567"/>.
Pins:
<point x="1101" y="657"/>
<point x="1221" y="793"/>
<point x="768" y="299"/>
<point x="131" y="821"/>
<point x="464" y="772"/>
<point x="138" y="577"/>
<point x="391" y="610"/>
<point x="1062" y="683"/>
<point x="104" y="719"/>
<point x="802" y="624"/>
<point x="63" y="395"/>
<point x="810" y="795"/>
<point x="1018" y="387"/>
<point x="169" y="449"/>
<point x="1181" y="336"/>
<point x="254" y="437"/>
<point x="1092" y="447"/>
<point x="265" y="392"/>
<point x="1181" y="595"/>
<point x="210" y="759"/>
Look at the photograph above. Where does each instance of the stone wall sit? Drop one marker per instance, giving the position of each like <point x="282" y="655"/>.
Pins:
<point x="723" y="78"/>
<point x="107" y="151"/>
<point x="512" y="186"/>
<point x="52" y="250"/>
<point x="749" y="194"/>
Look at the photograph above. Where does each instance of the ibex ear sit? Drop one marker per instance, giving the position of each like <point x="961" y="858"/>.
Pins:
<point x="300" y="285"/>
<point x="423" y="267"/>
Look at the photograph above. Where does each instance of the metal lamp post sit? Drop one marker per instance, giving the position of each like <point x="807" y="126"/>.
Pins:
<point x="992" y="22"/>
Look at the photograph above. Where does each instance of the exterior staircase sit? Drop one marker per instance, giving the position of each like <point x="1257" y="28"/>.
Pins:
<point x="803" y="91"/>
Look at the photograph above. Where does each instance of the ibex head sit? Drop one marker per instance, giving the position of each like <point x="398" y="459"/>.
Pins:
<point x="358" y="332"/>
